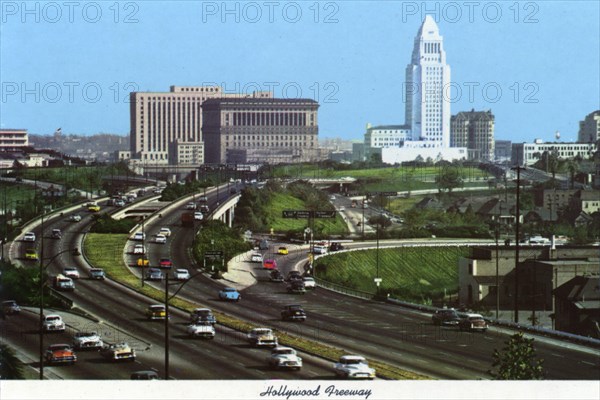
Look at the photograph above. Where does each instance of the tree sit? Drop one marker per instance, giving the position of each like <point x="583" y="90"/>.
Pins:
<point x="448" y="179"/>
<point x="517" y="360"/>
<point x="10" y="365"/>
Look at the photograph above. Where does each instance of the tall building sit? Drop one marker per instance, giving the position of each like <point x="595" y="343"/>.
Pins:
<point x="589" y="128"/>
<point x="427" y="77"/>
<point x="475" y="131"/>
<point x="259" y="130"/>
<point x="13" y="139"/>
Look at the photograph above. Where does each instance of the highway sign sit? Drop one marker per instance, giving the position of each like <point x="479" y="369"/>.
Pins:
<point x="213" y="253"/>
<point x="307" y="214"/>
<point x="324" y="214"/>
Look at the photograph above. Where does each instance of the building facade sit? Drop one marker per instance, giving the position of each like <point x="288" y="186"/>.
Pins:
<point x="528" y="153"/>
<point x="13" y="139"/>
<point x="260" y="130"/>
<point x="475" y="131"/>
<point x="589" y="128"/>
<point x="502" y="150"/>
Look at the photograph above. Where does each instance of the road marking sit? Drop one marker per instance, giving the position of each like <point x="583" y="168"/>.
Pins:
<point x="420" y="347"/>
<point x="557" y="355"/>
<point x="588" y="363"/>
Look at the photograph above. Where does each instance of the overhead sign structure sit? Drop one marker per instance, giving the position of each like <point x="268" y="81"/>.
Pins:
<point x="307" y="214"/>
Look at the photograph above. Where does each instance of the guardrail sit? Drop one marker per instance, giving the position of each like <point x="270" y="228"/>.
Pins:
<point x="65" y="301"/>
<point x="343" y="289"/>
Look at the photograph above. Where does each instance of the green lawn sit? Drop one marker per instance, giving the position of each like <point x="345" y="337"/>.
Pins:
<point x="414" y="274"/>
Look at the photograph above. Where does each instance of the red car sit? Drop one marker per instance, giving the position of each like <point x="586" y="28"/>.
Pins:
<point x="165" y="263"/>
<point x="270" y="264"/>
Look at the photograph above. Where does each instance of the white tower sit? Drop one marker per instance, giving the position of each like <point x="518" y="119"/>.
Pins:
<point x="428" y="89"/>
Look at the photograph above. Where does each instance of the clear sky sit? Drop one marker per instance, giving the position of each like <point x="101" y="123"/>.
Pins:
<point x="535" y="64"/>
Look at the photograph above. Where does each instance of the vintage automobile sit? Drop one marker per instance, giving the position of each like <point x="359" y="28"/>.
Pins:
<point x="75" y="218"/>
<point x="204" y="330"/>
<point x="71" y="272"/>
<point x="473" y="322"/>
<point x="29" y="237"/>
<point x="202" y="315"/>
<point x="296" y="287"/>
<point x="204" y="209"/>
<point x="87" y="340"/>
<point x="336" y="246"/>
<point x="269" y="263"/>
<point x="276" y="276"/>
<point x="190" y="206"/>
<point x="181" y="274"/>
<point x="309" y="282"/>
<point x="161" y="239"/>
<point x="282" y="250"/>
<point x="118" y="352"/>
<point x="97" y="273"/>
<point x="284" y="357"/>
<point x="10" y="307"/>
<point x="164" y="231"/>
<point x="165" y="263"/>
<point x="154" y="274"/>
<point x="53" y="323"/>
<point x="202" y="199"/>
<point x="144" y="376"/>
<point x="142" y="262"/>
<point x="31" y="254"/>
<point x="229" y="294"/>
<point x="139" y="249"/>
<point x="256" y="258"/>
<point x="318" y="249"/>
<point x="198" y="216"/>
<point x="353" y="367"/>
<point x="64" y="283"/>
<point x="445" y="317"/>
<point x="56" y="234"/>
<point x="94" y="208"/>
<point x="60" y="354"/>
<point x="156" y="311"/>
<point x="139" y="236"/>
<point x="293" y="275"/>
<point x="293" y="312"/>
<point x="261" y="337"/>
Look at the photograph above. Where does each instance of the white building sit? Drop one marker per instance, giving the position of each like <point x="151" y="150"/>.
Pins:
<point x="13" y="139"/>
<point x="528" y="153"/>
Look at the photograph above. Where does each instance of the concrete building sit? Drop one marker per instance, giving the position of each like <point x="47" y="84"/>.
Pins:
<point x="589" y="128"/>
<point x="244" y="130"/>
<point x="384" y="136"/>
<point x="502" y="150"/>
<point x="525" y="154"/>
<point x="186" y="153"/>
<point x="358" y="152"/>
<point x="13" y="139"/>
<point x="475" y="131"/>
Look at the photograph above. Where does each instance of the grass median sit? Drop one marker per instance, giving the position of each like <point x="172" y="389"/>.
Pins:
<point x="106" y="251"/>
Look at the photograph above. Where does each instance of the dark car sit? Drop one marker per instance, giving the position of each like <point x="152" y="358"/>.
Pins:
<point x="97" y="273"/>
<point x="276" y="276"/>
<point x="335" y="246"/>
<point x="10" y="307"/>
<point x="293" y="312"/>
<point x="445" y="317"/>
<point x="293" y="275"/>
<point x="144" y="376"/>
<point x="296" y="287"/>
<point x="200" y="315"/>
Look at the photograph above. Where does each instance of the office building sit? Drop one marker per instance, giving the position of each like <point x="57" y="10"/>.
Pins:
<point x="528" y="153"/>
<point x="475" y="131"/>
<point x="13" y="139"/>
<point x="589" y="128"/>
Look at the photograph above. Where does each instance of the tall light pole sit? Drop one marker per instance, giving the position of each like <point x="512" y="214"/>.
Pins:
<point x="517" y="225"/>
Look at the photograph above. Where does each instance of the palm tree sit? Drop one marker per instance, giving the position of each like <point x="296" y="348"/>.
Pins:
<point x="573" y="167"/>
<point x="10" y="365"/>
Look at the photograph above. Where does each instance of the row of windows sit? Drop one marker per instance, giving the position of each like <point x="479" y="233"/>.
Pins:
<point x="268" y="119"/>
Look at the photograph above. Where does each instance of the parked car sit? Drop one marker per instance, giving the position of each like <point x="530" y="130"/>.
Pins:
<point x="56" y="234"/>
<point x="473" y="322"/>
<point x="75" y="218"/>
<point x="87" y="340"/>
<point x="31" y="254"/>
<point x="445" y="317"/>
<point x="156" y="311"/>
<point x="282" y="250"/>
<point x="165" y="232"/>
<point x="144" y="376"/>
<point x="204" y="330"/>
<point x="269" y="263"/>
<point x="293" y="312"/>
<point x="97" y="273"/>
<point x="353" y="367"/>
<point x="229" y="294"/>
<point x="154" y="274"/>
<point x="202" y="315"/>
<point x="118" y="352"/>
<point x="10" y="307"/>
<point x="60" y="354"/>
<point x="284" y="357"/>
<point x="139" y="249"/>
<point x="29" y="237"/>
<point x="276" y="276"/>
<point x="256" y="257"/>
<point x="261" y="337"/>
<point x="181" y="274"/>
<point x="53" y="323"/>
<point x="71" y="272"/>
<point x="161" y="239"/>
<point x="139" y="236"/>
<point x="336" y="246"/>
<point x="309" y="282"/>
<point x="165" y="262"/>
<point x="296" y="287"/>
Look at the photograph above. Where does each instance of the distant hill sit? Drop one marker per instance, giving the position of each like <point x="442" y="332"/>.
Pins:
<point x="100" y="147"/>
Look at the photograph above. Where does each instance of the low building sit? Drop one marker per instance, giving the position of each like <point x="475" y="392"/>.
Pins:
<point x="578" y="306"/>
<point x="524" y="154"/>
<point x="186" y="153"/>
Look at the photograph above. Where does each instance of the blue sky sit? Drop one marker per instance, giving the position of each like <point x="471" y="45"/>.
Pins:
<point x="534" y="64"/>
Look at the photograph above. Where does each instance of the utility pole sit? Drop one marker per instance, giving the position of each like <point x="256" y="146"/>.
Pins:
<point x="517" y="226"/>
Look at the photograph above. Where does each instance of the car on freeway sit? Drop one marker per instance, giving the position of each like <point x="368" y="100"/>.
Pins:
<point x="142" y="262"/>
<point x="139" y="236"/>
<point x="156" y="311"/>
<point x="261" y="337"/>
<point x="118" y="352"/>
<point x="94" y="208"/>
<point x="71" y="272"/>
<point x="276" y="276"/>
<point x="56" y="234"/>
<point x="284" y="358"/>
<point x="203" y="199"/>
<point x="342" y="208"/>
<point x="64" y="283"/>
<point x="204" y="330"/>
<point x="269" y="263"/>
<point x="31" y="254"/>
<point x="10" y="307"/>
<point x="75" y="218"/>
<point x="165" y="231"/>
<point x="353" y="367"/>
<point x="139" y="249"/>
<point x="119" y="203"/>
<point x="161" y="239"/>
<point x="181" y="274"/>
<point x="319" y="249"/>
<point x="97" y="273"/>
<point x="204" y="208"/>
<point x="165" y="262"/>
<point x="190" y="206"/>
<point x="232" y="191"/>
<point x="144" y="376"/>
<point x="282" y="250"/>
<point x="256" y="258"/>
<point x="293" y="312"/>
<point x="293" y="275"/>
<point x="296" y="287"/>
<point x="309" y="282"/>
<point x="445" y="317"/>
<point x="53" y="323"/>
<point x="60" y="354"/>
<point x="198" y="216"/>
<point x="473" y="322"/>
<point x="332" y="197"/>
<point x="154" y="274"/>
<point x="336" y="246"/>
<point x="85" y="340"/>
<point x="229" y="294"/>
<point x="203" y="315"/>
<point x="29" y="237"/>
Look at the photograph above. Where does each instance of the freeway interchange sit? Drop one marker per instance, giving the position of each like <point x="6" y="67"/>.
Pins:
<point x="377" y="330"/>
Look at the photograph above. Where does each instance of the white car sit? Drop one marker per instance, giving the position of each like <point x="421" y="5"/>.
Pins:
<point x="256" y="257"/>
<point x="204" y="330"/>
<point x="190" y="206"/>
<point x="75" y="218"/>
<point x="284" y="357"/>
<point x="87" y="340"/>
<point x="139" y="249"/>
<point x="203" y="199"/>
<point x="318" y="249"/>
<point x="71" y="272"/>
<point x="309" y="282"/>
<point x="262" y="337"/>
<point x="139" y="236"/>
<point x="198" y="216"/>
<point x="53" y="323"/>
<point x="29" y="237"/>
<point x="162" y="239"/>
<point x="181" y="274"/>
<point x="165" y="232"/>
<point x="353" y="367"/>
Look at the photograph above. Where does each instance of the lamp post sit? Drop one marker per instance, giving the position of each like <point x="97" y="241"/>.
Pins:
<point x="496" y="235"/>
<point x="517" y="225"/>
